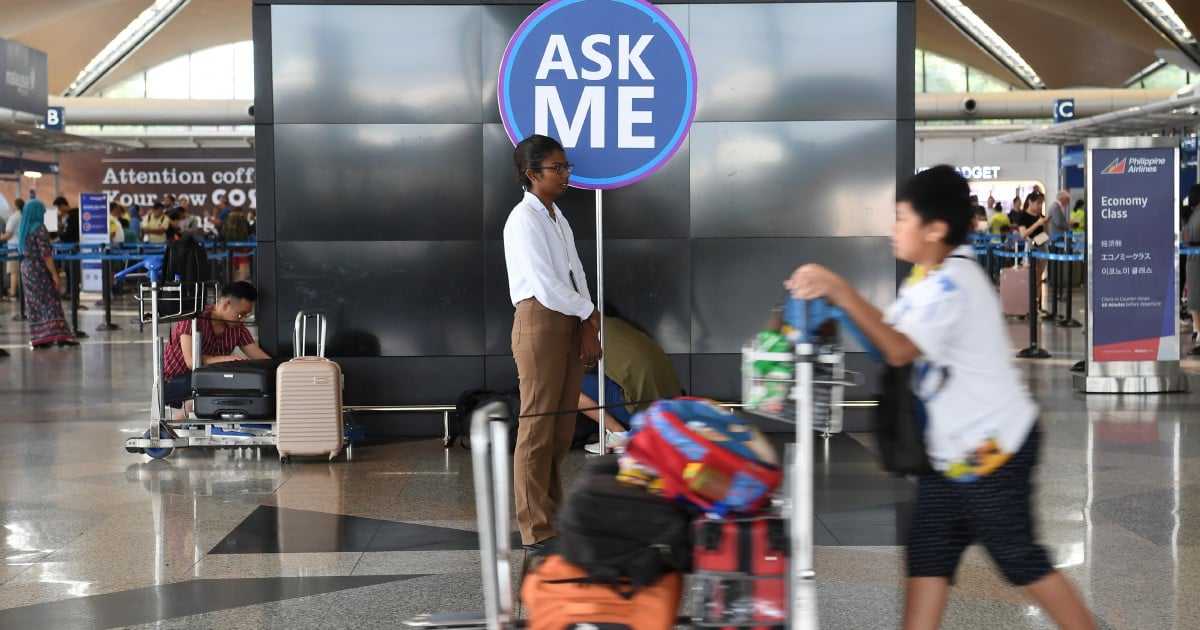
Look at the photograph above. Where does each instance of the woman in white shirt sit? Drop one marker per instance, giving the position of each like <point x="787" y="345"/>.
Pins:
<point x="556" y="332"/>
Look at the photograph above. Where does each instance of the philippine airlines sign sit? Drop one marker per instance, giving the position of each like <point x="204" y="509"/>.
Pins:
<point x="613" y="80"/>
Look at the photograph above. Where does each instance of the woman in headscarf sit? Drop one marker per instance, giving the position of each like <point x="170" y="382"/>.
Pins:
<point x="39" y="275"/>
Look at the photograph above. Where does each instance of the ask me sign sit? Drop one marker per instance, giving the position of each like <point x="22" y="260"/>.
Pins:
<point x="612" y="80"/>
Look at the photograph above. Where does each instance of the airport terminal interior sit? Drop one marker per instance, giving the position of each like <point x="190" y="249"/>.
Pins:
<point x="367" y="147"/>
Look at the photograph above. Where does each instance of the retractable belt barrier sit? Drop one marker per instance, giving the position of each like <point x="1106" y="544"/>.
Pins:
<point x="106" y="253"/>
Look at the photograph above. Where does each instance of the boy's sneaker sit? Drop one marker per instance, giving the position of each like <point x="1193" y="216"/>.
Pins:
<point x="616" y="443"/>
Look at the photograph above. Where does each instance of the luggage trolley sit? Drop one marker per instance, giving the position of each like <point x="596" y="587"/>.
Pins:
<point x="799" y="378"/>
<point x="160" y="303"/>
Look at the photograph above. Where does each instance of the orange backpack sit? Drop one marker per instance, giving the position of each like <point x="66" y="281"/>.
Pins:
<point x="557" y="596"/>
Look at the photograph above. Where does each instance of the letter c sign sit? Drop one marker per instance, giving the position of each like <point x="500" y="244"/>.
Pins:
<point x="612" y="80"/>
<point x="1064" y="110"/>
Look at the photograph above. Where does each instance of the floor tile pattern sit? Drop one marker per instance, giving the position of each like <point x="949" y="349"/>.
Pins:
<point x="97" y="537"/>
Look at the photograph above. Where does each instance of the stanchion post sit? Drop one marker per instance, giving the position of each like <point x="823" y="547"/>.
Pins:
<point x="1068" y="319"/>
<point x="1054" y="276"/>
<point x="20" y="316"/>
<point x="78" y="269"/>
<point x="106" y="286"/>
<point x="1033" y="351"/>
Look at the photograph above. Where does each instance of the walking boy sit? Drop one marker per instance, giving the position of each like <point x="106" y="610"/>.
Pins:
<point x="983" y="447"/>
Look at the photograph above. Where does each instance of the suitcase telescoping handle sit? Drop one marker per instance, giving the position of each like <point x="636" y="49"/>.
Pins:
<point x="493" y="485"/>
<point x="300" y="334"/>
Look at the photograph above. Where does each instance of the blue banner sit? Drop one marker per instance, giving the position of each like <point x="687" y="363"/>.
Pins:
<point x="1132" y="220"/>
<point x="613" y="80"/>
<point x="93" y="228"/>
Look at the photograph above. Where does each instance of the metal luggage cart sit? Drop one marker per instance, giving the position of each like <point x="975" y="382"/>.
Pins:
<point x="182" y="302"/>
<point x="804" y="386"/>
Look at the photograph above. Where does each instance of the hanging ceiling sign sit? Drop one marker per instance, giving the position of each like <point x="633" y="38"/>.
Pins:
<point x="612" y="80"/>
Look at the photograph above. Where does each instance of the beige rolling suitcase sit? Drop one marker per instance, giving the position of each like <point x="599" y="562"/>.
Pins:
<point x="308" y="397"/>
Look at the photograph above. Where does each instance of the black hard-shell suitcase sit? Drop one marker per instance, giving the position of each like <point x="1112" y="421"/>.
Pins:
<point x="218" y="406"/>
<point x="235" y="390"/>
<point x="256" y="376"/>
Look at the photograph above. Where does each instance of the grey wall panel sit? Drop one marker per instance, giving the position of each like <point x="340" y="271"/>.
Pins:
<point x="716" y="376"/>
<point x="381" y="64"/>
<point x="264" y="110"/>
<point x="683" y="369"/>
<point x="501" y="191"/>
<point x="498" y="25"/>
<point x="657" y="207"/>
<point x="649" y="283"/>
<point x="501" y="373"/>
<point x="269" y="290"/>
<point x="498" y="308"/>
<point x="736" y="281"/>
<point x="409" y="380"/>
<point x="377" y="182"/>
<point x="830" y="178"/>
<point x="264" y="173"/>
<point x="813" y="61"/>
<point x="386" y="298"/>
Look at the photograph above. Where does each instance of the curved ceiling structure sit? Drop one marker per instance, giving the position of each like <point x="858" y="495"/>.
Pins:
<point x="1068" y="43"/>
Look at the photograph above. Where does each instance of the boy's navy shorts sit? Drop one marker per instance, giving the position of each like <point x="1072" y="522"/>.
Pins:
<point x="992" y="510"/>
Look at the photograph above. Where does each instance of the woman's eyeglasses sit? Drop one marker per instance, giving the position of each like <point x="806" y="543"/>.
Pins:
<point x="558" y="169"/>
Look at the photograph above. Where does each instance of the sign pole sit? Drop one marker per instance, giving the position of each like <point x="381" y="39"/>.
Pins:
<point x="600" y="307"/>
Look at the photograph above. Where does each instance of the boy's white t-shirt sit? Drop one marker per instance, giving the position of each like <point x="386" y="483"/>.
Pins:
<point x="978" y="408"/>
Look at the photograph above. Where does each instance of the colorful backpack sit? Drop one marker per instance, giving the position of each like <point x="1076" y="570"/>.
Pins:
<point x="692" y="451"/>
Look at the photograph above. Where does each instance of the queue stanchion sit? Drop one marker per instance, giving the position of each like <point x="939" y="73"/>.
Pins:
<point x="1052" y="279"/>
<point x="1068" y="319"/>
<point x="20" y="316"/>
<point x="1033" y="351"/>
<point x="75" y="306"/>
<point x="106" y="285"/>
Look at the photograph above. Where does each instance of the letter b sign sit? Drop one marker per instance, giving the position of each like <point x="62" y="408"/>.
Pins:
<point x="54" y="118"/>
<point x="612" y="80"/>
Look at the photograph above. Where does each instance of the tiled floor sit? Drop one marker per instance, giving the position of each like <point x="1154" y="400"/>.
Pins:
<point x="95" y="537"/>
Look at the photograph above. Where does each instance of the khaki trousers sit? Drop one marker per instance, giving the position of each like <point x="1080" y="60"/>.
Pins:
<point x="545" y="345"/>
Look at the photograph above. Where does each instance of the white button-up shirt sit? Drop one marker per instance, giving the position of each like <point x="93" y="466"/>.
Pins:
<point x="540" y="255"/>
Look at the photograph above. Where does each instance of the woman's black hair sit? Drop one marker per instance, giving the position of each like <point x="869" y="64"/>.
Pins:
<point x="941" y="194"/>
<point x="530" y="152"/>
<point x="1078" y="204"/>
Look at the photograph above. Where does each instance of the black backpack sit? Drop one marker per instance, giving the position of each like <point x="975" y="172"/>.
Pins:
<point x="619" y="534"/>
<point x="186" y="260"/>
<point x="471" y="399"/>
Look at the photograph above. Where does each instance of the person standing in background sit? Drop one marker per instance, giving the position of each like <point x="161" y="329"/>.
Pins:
<point x="1191" y="234"/>
<point x="556" y="332"/>
<point x="155" y="226"/>
<point x="12" y="268"/>
<point x="39" y="275"/>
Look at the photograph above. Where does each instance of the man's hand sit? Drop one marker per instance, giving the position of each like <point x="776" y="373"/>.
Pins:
<point x="813" y="281"/>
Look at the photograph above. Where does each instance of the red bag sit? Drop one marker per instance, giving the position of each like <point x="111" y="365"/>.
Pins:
<point x="741" y="572"/>
<point x="558" y="596"/>
<point x="693" y="451"/>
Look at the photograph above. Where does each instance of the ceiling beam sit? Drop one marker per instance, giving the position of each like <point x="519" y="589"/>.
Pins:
<point x="1182" y="41"/>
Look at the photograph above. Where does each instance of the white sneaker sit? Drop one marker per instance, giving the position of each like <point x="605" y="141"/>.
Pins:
<point x="616" y="443"/>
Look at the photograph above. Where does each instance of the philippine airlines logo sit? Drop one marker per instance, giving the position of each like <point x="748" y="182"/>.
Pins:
<point x="1116" y="168"/>
<point x="1134" y="164"/>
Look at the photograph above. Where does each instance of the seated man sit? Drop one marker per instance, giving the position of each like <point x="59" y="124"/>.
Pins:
<point x="221" y="333"/>
<point x="635" y="369"/>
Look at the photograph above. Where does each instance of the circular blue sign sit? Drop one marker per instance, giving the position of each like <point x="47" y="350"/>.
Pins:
<point x="612" y="80"/>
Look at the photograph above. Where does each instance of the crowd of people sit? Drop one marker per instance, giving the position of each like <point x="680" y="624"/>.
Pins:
<point x="28" y="238"/>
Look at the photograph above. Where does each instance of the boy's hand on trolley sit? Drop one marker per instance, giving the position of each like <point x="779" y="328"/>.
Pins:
<point x="814" y="281"/>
